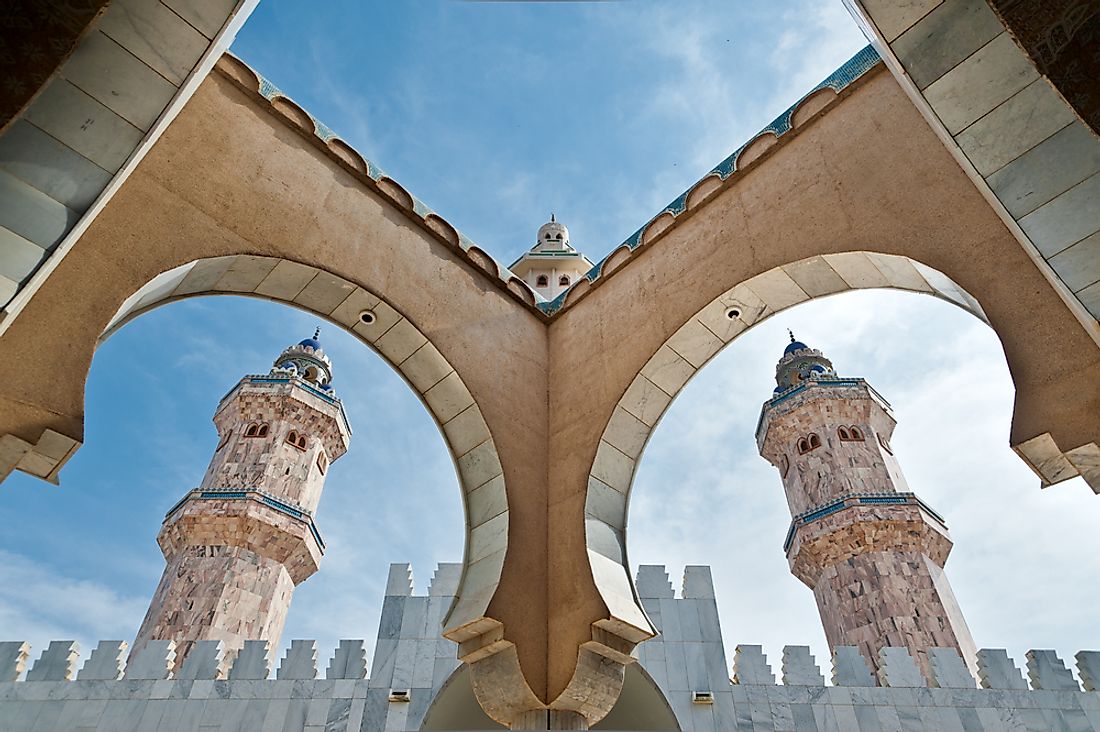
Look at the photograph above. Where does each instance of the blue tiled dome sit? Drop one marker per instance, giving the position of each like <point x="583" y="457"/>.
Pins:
<point x="794" y="346"/>
<point x="311" y="343"/>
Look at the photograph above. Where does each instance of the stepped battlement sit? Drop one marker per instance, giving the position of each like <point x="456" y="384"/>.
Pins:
<point x="1045" y="670"/>
<point x="413" y="667"/>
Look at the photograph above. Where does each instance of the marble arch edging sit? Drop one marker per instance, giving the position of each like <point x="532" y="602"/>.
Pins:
<point x="409" y="352"/>
<point x="686" y="351"/>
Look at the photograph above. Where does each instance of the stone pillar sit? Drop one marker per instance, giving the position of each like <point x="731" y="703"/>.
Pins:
<point x="237" y="545"/>
<point x="871" y="551"/>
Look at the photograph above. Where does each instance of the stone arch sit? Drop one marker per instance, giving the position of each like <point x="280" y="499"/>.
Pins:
<point x="685" y="352"/>
<point x="408" y="351"/>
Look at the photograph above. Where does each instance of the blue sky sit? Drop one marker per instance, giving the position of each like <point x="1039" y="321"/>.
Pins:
<point x="496" y="114"/>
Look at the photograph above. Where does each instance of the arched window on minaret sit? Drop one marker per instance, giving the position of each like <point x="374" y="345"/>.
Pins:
<point x="543" y="280"/>
<point x="563" y="281"/>
<point x="263" y="431"/>
<point x="815" y="442"/>
<point x="322" y="462"/>
<point x="843" y="433"/>
<point x="856" y="434"/>
<point x="803" y="446"/>
<point x="296" y="440"/>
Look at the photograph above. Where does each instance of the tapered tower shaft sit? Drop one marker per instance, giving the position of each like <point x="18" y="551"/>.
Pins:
<point x="871" y="551"/>
<point x="237" y="545"/>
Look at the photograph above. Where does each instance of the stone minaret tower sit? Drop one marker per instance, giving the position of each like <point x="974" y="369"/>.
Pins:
<point x="872" y="552"/>
<point x="237" y="545"/>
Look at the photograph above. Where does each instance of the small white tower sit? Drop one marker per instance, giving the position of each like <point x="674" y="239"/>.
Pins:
<point x="552" y="265"/>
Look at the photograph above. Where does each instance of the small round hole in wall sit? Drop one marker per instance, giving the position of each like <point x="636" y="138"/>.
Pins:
<point x="733" y="313"/>
<point x="366" y="317"/>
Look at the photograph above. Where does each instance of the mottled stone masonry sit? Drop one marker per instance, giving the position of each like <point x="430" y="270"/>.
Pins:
<point x="221" y="593"/>
<point x="838" y="466"/>
<point x="282" y="469"/>
<point x="876" y="569"/>
<point x="233" y="558"/>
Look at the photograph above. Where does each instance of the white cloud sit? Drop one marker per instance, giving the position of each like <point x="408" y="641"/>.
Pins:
<point x="39" y="604"/>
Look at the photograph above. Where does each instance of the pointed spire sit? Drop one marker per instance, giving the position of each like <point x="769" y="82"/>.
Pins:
<point x="317" y="333"/>
<point x="552" y="218"/>
<point x="791" y="334"/>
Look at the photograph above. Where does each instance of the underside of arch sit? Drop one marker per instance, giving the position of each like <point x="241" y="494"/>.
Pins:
<point x="404" y="347"/>
<point x="694" y="344"/>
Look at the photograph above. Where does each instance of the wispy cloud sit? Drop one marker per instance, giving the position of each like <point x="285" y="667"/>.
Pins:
<point x="39" y="603"/>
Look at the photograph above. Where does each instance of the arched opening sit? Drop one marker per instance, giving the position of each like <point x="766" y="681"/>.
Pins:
<point x="219" y="353"/>
<point x="945" y="374"/>
<point x="542" y="281"/>
<point x="563" y="281"/>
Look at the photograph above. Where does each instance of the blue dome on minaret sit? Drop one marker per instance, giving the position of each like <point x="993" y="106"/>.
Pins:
<point x="800" y="363"/>
<point x="308" y="361"/>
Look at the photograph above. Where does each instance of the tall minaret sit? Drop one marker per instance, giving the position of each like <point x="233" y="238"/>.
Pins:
<point x="872" y="552"/>
<point x="237" y="545"/>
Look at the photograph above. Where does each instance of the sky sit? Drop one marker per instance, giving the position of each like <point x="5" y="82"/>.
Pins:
<point x="495" y="115"/>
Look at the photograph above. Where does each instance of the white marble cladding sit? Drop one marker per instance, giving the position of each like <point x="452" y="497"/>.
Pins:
<point x="688" y="654"/>
<point x="95" y="117"/>
<point x="38" y="692"/>
<point x="410" y="653"/>
<point x="1023" y="141"/>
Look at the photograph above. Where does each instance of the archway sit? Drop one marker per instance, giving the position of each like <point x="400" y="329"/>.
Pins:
<point x="405" y="348"/>
<point x="376" y="323"/>
<point x="702" y="495"/>
<point x="151" y="393"/>
<point x="694" y="344"/>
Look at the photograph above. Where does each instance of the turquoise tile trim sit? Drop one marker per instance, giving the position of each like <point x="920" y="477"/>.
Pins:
<point x="253" y="494"/>
<point x="325" y="133"/>
<point x="853" y="69"/>
<point x="824" y="382"/>
<point x="304" y="386"/>
<point x="854" y="499"/>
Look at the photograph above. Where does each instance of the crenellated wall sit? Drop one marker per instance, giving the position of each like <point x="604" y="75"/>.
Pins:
<point x="413" y="663"/>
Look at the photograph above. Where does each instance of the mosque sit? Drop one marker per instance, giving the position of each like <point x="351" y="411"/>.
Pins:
<point x="141" y="163"/>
